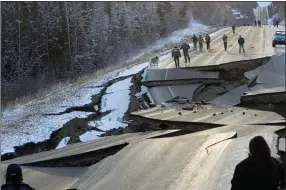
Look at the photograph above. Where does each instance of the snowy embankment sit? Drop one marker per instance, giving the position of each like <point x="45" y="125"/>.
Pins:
<point x="27" y="123"/>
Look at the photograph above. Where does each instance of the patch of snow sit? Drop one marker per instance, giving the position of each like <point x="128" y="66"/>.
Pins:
<point x="151" y="98"/>
<point x="117" y="99"/>
<point x="133" y="58"/>
<point x="144" y="90"/>
<point x="119" y="86"/>
<point x="180" y="35"/>
<point x="89" y="136"/>
<point x="133" y="70"/>
<point x="63" y="142"/>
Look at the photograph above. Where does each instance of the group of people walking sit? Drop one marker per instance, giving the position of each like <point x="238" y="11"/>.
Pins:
<point x="176" y="54"/>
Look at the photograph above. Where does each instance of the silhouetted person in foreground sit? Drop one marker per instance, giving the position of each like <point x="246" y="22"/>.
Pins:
<point x="14" y="179"/>
<point x="241" y="44"/>
<point x="259" y="171"/>
<point x="176" y="54"/>
<point x="186" y="48"/>
<point x="233" y="29"/>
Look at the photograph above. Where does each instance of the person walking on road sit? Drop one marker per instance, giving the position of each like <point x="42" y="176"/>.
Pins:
<point x="259" y="23"/>
<point x="195" y="41"/>
<point x="255" y="23"/>
<point x="201" y="42"/>
<point x="260" y="170"/>
<point x="233" y="29"/>
<point x="14" y="179"/>
<point x="186" y="48"/>
<point x="277" y="23"/>
<point x="224" y="39"/>
<point x="241" y="44"/>
<point x="176" y="54"/>
<point x="208" y="41"/>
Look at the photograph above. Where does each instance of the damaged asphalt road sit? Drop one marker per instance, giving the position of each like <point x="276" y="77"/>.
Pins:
<point x="221" y="85"/>
<point x="198" y="133"/>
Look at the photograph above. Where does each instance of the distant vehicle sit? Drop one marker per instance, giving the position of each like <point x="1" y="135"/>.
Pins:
<point x="279" y="38"/>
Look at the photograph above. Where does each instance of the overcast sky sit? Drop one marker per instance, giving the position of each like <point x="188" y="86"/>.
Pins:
<point x="264" y="3"/>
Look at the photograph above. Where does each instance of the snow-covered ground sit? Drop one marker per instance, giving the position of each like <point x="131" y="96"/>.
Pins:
<point x="116" y="99"/>
<point x="26" y="123"/>
<point x="134" y="69"/>
<point x="177" y="37"/>
<point x="63" y="142"/>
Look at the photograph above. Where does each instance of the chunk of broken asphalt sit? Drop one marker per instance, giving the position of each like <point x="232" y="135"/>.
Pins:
<point x="180" y="113"/>
<point x="214" y="114"/>
<point x="243" y="113"/>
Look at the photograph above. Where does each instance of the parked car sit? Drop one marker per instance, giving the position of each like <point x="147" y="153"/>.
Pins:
<point x="279" y="38"/>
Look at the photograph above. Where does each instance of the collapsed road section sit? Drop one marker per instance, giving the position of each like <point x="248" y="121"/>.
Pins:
<point x="200" y="134"/>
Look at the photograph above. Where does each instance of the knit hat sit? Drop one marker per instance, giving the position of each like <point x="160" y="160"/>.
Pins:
<point x="14" y="172"/>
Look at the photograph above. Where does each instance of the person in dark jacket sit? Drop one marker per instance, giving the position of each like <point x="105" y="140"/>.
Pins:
<point x="186" y="48"/>
<point x="176" y="54"/>
<point x="259" y="23"/>
<point x="233" y="29"/>
<point x="259" y="171"/>
<point x="241" y="44"/>
<point x="201" y="42"/>
<point x="255" y="23"/>
<point x="277" y="23"/>
<point x="195" y="41"/>
<point x="208" y="41"/>
<point x="224" y="39"/>
<point x="14" y="179"/>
